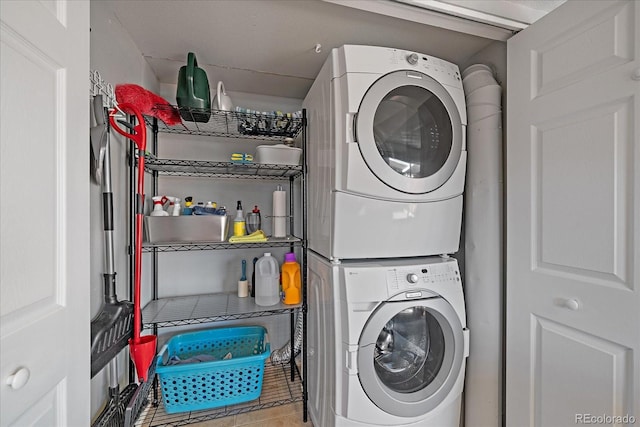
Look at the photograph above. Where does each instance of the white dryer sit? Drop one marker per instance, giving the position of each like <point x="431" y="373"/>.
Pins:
<point x="387" y="342"/>
<point x="386" y="154"/>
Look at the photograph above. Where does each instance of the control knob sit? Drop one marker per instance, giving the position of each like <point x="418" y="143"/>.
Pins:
<point x="412" y="58"/>
<point x="412" y="278"/>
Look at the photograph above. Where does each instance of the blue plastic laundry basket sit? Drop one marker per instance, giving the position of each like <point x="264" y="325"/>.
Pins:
<point x="207" y="385"/>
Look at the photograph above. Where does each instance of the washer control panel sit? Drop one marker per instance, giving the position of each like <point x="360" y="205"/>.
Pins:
<point x="420" y="277"/>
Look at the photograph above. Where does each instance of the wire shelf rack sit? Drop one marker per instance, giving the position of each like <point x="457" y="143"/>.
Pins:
<point x="272" y="242"/>
<point x="277" y="389"/>
<point x="196" y="309"/>
<point x="231" y="124"/>
<point x="213" y="169"/>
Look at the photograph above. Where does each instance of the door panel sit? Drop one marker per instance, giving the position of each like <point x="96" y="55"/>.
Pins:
<point x="598" y="43"/>
<point x="44" y="215"/>
<point x="596" y="385"/>
<point x="573" y="174"/>
<point x="562" y="208"/>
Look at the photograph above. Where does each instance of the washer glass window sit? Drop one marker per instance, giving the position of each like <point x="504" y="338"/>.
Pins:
<point x="413" y="131"/>
<point x="409" y="350"/>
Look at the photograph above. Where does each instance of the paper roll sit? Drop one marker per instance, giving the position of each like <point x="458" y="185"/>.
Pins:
<point x="243" y="288"/>
<point x="279" y="213"/>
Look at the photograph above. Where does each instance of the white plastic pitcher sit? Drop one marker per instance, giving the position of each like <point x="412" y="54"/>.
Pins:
<point x="267" y="275"/>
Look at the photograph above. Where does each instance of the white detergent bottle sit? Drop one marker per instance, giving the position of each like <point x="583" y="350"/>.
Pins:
<point x="158" y="203"/>
<point x="267" y="287"/>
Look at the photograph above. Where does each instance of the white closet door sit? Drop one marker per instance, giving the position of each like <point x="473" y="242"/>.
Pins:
<point x="44" y="214"/>
<point x="573" y="217"/>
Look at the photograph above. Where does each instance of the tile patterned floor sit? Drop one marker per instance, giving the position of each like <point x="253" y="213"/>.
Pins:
<point x="281" y="416"/>
<point x="281" y="400"/>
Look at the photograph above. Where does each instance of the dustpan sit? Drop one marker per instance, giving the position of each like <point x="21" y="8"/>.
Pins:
<point x="193" y="95"/>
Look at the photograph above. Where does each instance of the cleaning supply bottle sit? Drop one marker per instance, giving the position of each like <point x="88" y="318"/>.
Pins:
<point x="158" y="203"/>
<point x="188" y="202"/>
<point x="173" y="202"/>
<point x="239" y="224"/>
<point x="291" y="279"/>
<point x="267" y="275"/>
<point x="177" y="208"/>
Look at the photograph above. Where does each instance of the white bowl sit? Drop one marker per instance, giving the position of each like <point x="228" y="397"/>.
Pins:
<point x="278" y="154"/>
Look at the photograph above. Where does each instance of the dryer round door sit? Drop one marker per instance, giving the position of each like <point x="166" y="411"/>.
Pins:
<point x="409" y="132"/>
<point x="410" y="355"/>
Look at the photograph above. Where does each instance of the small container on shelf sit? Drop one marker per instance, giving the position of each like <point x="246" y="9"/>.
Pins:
<point x="186" y="228"/>
<point x="278" y="154"/>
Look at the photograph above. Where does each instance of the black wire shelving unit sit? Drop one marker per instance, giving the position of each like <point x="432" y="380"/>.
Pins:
<point x="283" y="384"/>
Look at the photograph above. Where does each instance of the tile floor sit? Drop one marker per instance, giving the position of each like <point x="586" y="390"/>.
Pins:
<point x="280" y="416"/>
<point x="277" y="390"/>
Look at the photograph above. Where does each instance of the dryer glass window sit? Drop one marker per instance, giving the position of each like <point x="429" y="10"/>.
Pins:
<point x="409" y="350"/>
<point x="413" y="131"/>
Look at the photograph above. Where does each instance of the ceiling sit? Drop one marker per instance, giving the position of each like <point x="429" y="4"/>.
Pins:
<point x="269" y="47"/>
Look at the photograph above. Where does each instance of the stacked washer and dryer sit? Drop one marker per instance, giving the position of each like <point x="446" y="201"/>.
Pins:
<point x="386" y="161"/>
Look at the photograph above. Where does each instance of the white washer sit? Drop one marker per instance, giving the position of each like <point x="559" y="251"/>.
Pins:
<point x="386" y="154"/>
<point x="387" y="342"/>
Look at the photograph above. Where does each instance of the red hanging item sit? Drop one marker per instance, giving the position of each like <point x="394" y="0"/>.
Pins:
<point x="148" y="103"/>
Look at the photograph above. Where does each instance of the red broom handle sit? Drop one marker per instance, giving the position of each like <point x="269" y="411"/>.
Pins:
<point x="139" y="135"/>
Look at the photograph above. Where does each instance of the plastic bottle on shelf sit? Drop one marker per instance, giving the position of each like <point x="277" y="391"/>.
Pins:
<point x="267" y="277"/>
<point x="291" y="279"/>
<point x="188" y="202"/>
<point x="158" y="203"/>
<point x="239" y="224"/>
<point x="177" y="208"/>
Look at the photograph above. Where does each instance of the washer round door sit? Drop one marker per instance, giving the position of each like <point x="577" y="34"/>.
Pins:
<point x="410" y="355"/>
<point x="409" y="132"/>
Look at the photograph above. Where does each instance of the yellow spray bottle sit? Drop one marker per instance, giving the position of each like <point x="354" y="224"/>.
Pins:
<point x="239" y="224"/>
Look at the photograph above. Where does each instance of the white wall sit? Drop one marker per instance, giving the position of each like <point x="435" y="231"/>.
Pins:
<point x="495" y="56"/>
<point x="118" y="60"/>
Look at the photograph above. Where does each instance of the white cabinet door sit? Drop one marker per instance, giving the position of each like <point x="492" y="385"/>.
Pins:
<point x="573" y="217"/>
<point x="44" y="214"/>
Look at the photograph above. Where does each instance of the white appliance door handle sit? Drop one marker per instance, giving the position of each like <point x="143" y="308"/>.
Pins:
<point x="350" y="120"/>
<point x="351" y="361"/>
<point x="18" y="379"/>
<point x="465" y="334"/>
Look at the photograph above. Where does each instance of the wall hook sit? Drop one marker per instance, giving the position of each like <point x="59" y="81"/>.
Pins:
<point x="318" y="48"/>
